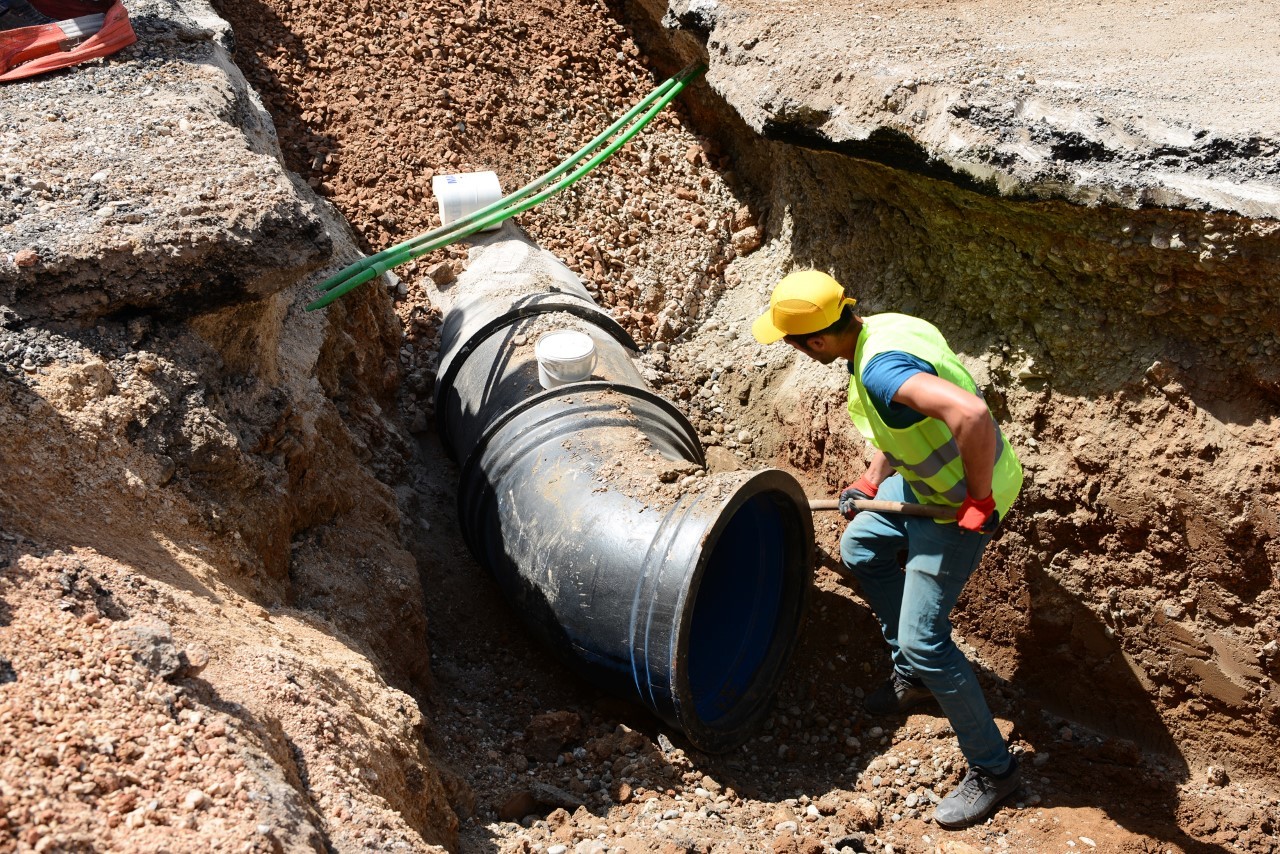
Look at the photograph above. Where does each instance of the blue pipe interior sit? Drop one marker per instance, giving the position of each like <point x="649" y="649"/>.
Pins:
<point x="735" y="617"/>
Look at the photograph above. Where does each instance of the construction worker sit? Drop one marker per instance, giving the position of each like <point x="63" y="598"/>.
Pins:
<point x="936" y="443"/>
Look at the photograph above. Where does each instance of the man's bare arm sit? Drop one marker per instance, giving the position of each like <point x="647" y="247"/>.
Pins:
<point x="878" y="468"/>
<point x="966" y="415"/>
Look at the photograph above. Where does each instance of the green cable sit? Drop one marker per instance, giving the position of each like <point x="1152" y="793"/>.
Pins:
<point x="373" y="266"/>
<point x="360" y="265"/>
<point x="358" y="273"/>
<point x="396" y="258"/>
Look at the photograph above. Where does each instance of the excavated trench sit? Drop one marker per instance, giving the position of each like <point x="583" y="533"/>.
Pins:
<point x="1093" y="338"/>
<point x="1130" y="354"/>
<point x="1125" y="620"/>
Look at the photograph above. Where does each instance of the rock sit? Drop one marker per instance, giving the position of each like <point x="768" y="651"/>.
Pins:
<point x="742" y="218"/>
<point x="862" y="814"/>
<point x="547" y="734"/>
<point x="26" y="258"/>
<point x="195" y="800"/>
<point x="558" y="818"/>
<point x="829" y="804"/>
<point x="747" y="240"/>
<point x="151" y="642"/>
<point x="442" y="273"/>
<point x="554" y="797"/>
<point x="518" y="805"/>
<point x="1030" y="371"/>
<point x="197" y="659"/>
<point x="1121" y="752"/>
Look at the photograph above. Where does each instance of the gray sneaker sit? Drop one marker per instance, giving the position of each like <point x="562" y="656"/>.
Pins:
<point x="896" y="696"/>
<point x="976" y="796"/>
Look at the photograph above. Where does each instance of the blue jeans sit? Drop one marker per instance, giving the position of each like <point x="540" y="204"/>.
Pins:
<point x="914" y="610"/>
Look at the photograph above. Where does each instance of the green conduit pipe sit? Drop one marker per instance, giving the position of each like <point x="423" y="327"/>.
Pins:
<point x="373" y="266"/>
<point x="363" y="263"/>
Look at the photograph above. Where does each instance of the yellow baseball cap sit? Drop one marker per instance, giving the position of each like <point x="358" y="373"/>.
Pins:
<point x="803" y="302"/>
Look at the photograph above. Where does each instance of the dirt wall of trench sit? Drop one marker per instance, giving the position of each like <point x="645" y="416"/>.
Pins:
<point x="202" y="581"/>
<point x="1130" y="354"/>
<point x="1144" y="549"/>
<point x="182" y="442"/>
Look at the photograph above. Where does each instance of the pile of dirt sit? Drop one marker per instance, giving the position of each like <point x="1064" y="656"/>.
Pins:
<point x="615" y="230"/>
<point x="331" y="667"/>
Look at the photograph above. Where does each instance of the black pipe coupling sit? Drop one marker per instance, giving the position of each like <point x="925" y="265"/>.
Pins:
<point x="590" y="504"/>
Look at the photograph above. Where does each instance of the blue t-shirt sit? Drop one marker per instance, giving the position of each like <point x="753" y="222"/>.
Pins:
<point x="883" y="376"/>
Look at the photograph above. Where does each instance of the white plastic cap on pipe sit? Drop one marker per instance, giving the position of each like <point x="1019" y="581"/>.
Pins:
<point x="564" y="356"/>
<point x="465" y="193"/>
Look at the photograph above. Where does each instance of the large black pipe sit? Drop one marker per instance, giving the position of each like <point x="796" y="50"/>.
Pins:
<point x="685" y="593"/>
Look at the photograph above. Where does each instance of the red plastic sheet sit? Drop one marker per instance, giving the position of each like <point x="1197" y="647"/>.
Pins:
<point x="28" y="51"/>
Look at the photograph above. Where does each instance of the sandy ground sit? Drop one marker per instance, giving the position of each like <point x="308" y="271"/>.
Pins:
<point x="823" y="773"/>
<point x="370" y="102"/>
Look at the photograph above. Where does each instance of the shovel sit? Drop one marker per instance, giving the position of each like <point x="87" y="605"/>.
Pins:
<point x="933" y="511"/>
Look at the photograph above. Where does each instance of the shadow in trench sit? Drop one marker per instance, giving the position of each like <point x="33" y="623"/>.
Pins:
<point x="1121" y="759"/>
<point x="1073" y="671"/>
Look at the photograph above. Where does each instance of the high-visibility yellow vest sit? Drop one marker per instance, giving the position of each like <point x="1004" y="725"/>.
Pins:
<point x="925" y="453"/>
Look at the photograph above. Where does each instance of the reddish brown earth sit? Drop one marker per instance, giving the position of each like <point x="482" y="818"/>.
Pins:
<point x="115" y="736"/>
<point x="371" y="101"/>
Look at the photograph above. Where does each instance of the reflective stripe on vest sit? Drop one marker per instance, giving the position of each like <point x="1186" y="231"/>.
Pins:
<point x="925" y="453"/>
<point x="924" y="474"/>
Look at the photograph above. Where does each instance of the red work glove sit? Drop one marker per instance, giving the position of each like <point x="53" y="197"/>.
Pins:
<point x="976" y="513"/>
<point x="863" y="490"/>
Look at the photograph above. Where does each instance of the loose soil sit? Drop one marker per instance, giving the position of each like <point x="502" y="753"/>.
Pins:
<point x="394" y="96"/>
<point x="369" y="103"/>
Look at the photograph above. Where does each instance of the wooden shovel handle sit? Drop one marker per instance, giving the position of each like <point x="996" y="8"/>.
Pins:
<point x="933" y="511"/>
